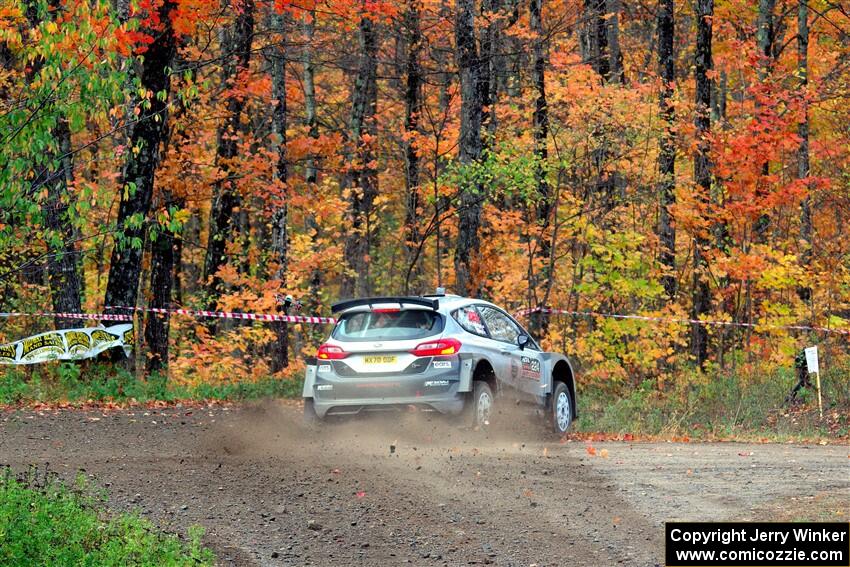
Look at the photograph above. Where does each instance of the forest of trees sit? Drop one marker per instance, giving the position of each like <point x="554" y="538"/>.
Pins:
<point x="683" y="160"/>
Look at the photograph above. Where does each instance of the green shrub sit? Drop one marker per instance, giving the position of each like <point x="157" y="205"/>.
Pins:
<point x="43" y="522"/>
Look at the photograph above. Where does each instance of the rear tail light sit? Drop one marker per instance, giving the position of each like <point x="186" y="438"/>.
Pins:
<point x="330" y="352"/>
<point x="439" y="347"/>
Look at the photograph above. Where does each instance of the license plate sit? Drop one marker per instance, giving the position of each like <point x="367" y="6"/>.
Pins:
<point x="379" y="359"/>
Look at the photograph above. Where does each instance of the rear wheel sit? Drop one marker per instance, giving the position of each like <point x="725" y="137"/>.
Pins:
<point x="562" y="408"/>
<point x="482" y="404"/>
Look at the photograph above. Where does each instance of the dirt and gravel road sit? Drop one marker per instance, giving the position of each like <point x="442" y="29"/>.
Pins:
<point x="414" y="489"/>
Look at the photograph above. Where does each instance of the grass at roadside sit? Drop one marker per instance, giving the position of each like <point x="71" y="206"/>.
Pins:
<point x="43" y="522"/>
<point x="69" y="382"/>
<point x="741" y="406"/>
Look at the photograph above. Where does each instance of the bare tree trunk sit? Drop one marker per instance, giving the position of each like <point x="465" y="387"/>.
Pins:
<point x="667" y="151"/>
<point x="177" y="292"/>
<point x="803" y="166"/>
<point x="310" y="169"/>
<point x="162" y="279"/>
<point x="701" y="297"/>
<point x="599" y="28"/>
<point x="140" y="168"/>
<point x="540" y="120"/>
<point x="413" y="103"/>
<point x="446" y="76"/>
<point x="191" y="271"/>
<point x="165" y="255"/>
<point x="237" y="55"/>
<point x="470" y="148"/>
<point x="62" y="266"/>
<point x="594" y="38"/>
<point x="491" y="37"/>
<point x="280" y="236"/>
<point x="612" y="9"/>
<point x="63" y="274"/>
<point x="361" y="179"/>
<point x="766" y="36"/>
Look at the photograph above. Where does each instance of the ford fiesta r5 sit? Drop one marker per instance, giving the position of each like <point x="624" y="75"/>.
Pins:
<point x="445" y="353"/>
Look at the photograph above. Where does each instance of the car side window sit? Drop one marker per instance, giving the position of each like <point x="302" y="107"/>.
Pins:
<point x="469" y="318"/>
<point x="500" y="326"/>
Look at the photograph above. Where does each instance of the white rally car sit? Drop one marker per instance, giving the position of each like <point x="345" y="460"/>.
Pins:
<point x="443" y="352"/>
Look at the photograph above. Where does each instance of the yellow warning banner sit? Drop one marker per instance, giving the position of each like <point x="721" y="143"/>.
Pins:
<point x="68" y="344"/>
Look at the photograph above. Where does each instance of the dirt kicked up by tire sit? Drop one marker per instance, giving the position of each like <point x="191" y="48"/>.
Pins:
<point x="412" y="489"/>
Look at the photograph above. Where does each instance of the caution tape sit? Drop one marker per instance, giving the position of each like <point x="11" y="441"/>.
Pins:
<point x="551" y="311"/>
<point x="188" y="312"/>
<point x="273" y="317"/>
<point x="235" y="315"/>
<point x="95" y="316"/>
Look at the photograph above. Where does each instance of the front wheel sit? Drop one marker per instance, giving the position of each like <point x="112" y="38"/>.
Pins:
<point x="562" y="408"/>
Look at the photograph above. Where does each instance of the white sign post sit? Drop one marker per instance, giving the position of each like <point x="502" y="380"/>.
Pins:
<point x="812" y="364"/>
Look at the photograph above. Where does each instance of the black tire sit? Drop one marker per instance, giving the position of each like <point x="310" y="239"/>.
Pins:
<point x="561" y="412"/>
<point x="481" y="404"/>
<point x="311" y="418"/>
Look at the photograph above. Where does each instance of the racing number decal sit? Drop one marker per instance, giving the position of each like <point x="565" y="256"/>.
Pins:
<point x="530" y="368"/>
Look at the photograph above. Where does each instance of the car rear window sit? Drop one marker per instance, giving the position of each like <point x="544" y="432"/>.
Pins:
<point x="388" y="325"/>
<point x="469" y="318"/>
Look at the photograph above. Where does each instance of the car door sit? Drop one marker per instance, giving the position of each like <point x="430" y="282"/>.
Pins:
<point x="523" y="366"/>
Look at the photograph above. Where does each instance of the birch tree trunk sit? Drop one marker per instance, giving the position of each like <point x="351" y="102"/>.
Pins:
<point x="309" y="28"/>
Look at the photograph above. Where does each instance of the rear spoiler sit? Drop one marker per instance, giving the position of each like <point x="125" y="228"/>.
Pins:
<point x="370" y="301"/>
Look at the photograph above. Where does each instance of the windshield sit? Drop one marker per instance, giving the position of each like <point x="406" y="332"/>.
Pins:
<point x="388" y="325"/>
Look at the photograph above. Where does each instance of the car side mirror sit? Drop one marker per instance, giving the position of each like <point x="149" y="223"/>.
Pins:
<point x="522" y="340"/>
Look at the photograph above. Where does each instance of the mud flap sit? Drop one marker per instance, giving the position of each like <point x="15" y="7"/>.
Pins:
<point x="309" y="379"/>
<point x="465" y="375"/>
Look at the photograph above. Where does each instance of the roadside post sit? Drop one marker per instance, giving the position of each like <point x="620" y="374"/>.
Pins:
<point x="812" y="364"/>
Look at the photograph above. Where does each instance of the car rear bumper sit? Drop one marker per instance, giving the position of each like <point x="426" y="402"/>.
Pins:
<point x="436" y="386"/>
